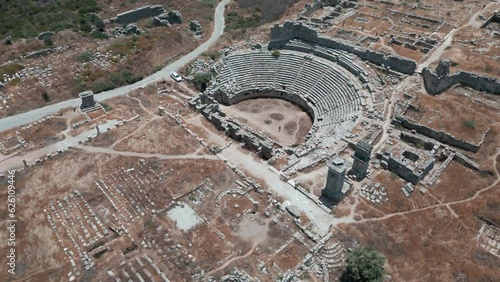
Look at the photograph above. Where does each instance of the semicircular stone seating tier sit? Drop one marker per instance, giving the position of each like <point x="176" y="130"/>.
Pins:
<point x="327" y="91"/>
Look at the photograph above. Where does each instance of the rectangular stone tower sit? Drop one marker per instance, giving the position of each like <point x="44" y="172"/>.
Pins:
<point x="361" y="158"/>
<point x="334" y="188"/>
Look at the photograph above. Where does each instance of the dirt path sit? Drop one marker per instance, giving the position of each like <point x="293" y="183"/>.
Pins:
<point x="438" y="52"/>
<point x="447" y="204"/>
<point x="146" y="155"/>
<point x="256" y="241"/>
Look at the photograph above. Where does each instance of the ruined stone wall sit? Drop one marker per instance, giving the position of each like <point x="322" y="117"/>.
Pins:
<point x="138" y="14"/>
<point x="281" y="34"/>
<point x="410" y="138"/>
<point x="403" y="171"/>
<point x="440" y="136"/>
<point x="435" y="84"/>
<point x="495" y="18"/>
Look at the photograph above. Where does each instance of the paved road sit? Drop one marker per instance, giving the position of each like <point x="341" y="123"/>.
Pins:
<point x="24" y="118"/>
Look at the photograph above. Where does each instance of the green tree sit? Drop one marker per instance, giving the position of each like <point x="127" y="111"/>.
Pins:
<point x="276" y="53"/>
<point x="99" y="25"/>
<point x="201" y="80"/>
<point x="364" y="265"/>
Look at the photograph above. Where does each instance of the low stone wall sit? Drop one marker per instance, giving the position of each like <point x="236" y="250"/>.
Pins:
<point x="254" y="94"/>
<point x="138" y="14"/>
<point x="435" y="84"/>
<point x="440" y="136"/>
<point x="281" y="34"/>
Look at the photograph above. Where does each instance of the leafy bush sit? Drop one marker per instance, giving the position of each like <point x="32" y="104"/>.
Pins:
<point x="470" y="123"/>
<point x="85" y="27"/>
<point x="276" y="53"/>
<point x="99" y="34"/>
<point x="364" y="265"/>
<point x="99" y="24"/>
<point x="208" y="3"/>
<point x="48" y="41"/>
<point x="45" y="96"/>
<point x="103" y="86"/>
<point x="201" y="80"/>
<point x="116" y="79"/>
<point x="214" y="55"/>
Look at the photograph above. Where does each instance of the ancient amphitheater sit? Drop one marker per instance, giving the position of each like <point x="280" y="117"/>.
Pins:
<point x="326" y="83"/>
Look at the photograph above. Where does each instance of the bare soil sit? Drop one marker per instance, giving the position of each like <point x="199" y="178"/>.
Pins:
<point x="280" y="120"/>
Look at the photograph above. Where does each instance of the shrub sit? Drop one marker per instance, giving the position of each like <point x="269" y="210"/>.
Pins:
<point x="99" y="25"/>
<point x="470" y="123"/>
<point x="106" y="107"/>
<point x="214" y="55"/>
<point x="45" y="96"/>
<point x="208" y="3"/>
<point x="84" y="57"/>
<point x="276" y="53"/>
<point x="364" y="265"/>
<point x="99" y="34"/>
<point x="201" y="80"/>
<point x="48" y="41"/>
<point x="103" y="86"/>
<point x="85" y="27"/>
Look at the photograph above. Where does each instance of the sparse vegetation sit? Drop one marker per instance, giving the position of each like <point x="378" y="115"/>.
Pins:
<point x="208" y="3"/>
<point x="214" y="55"/>
<point x="106" y="107"/>
<point x="25" y="19"/>
<point x="470" y="123"/>
<point x="394" y="176"/>
<point x="236" y="20"/>
<point x="269" y="10"/>
<point x="84" y="57"/>
<point x="123" y="47"/>
<point x="9" y="70"/>
<point x="364" y="265"/>
<point x="116" y="79"/>
<point x="99" y="34"/>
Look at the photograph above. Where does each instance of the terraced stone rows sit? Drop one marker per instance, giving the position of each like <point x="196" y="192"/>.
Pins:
<point x="326" y="88"/>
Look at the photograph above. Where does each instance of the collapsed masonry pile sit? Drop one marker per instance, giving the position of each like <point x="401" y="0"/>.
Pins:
<point x="127" y="30"/>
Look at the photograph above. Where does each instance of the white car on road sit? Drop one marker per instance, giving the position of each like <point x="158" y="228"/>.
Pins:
<point x="175" y="76"/>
